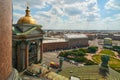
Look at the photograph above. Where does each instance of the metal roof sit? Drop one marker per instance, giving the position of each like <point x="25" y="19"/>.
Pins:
<point x="73" y="36"/>
<point x="53" y="40"/>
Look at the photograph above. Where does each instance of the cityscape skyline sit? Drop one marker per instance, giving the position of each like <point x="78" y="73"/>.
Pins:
<point x="71" y="14"/>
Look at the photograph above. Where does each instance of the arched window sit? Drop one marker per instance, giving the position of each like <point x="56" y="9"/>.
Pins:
<point x="32" y="52"/>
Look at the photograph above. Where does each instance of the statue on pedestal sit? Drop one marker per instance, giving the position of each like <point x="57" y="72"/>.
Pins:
<point x="104" y="69"/>
<point x="60" y="64"/>
<point x="104" y="59"/>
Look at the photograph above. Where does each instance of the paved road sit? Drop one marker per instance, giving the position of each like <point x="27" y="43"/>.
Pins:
<point x="52" y="56"/>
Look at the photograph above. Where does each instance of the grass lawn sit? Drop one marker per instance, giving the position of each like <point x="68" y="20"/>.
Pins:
<point x="113" y="63"/>
<point x="84" y="72"/>
<point x="89" y="73"/>
<point x="107" y="52"/>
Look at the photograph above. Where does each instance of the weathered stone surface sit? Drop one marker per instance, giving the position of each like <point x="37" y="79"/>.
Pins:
<point x="5" y="39"/>
<point x="14" y="75"/>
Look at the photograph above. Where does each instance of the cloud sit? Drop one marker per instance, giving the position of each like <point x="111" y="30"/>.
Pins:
<point x="72" y="11"/>
<point x="113" y="4"/>
<point x="65" y="14"/>
<point x="16" y="16"/>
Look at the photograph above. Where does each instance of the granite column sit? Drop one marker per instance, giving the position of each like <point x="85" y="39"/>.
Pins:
<point x="5" y="39"/>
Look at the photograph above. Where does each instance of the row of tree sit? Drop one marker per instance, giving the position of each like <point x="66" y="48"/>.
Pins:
<point x="115" y="48"/>
<point x="77" y="55"/>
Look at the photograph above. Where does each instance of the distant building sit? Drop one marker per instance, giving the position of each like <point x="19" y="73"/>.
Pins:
<point x="102" y="35"/>
<point x="68" y="42"/>
<point x="116" y="37"/>
<point x="107" y="42"/>
<point x="51" y="44"/>
<point x="91" y="36"/>
<point x="105" y="35"/>
<point x="76" y="40"/>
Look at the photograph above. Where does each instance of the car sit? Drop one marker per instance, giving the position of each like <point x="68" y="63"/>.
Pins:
<point x="54" y="65"/>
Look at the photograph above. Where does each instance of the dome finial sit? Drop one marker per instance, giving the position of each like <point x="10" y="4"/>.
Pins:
<point x="27" y="10"/>
<point x="27" y="4"/>
<point x="27" y="19"/>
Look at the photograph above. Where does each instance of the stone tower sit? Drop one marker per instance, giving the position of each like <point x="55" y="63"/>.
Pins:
<point x="5" y="39"/>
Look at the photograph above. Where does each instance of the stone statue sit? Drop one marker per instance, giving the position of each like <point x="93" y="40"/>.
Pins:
<point x="61" y="62"/>
<point x="104" y="69"/>
<point x="104" y="59"/>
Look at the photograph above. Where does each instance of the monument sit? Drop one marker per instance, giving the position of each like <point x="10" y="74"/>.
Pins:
<point x="104" y="69"/>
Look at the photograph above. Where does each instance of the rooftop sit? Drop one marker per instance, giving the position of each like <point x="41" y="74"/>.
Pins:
<point x="53" y="40"/>
<point x="116" y="34"/>
<point x="69" y="36"/>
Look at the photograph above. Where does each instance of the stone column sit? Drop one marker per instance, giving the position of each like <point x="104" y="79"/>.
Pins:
<point x="18" y="55"/>
<point x="41" y="51"/>
<point x="6" y="71"/>
<point x="27" y="55"/>
<point x="5" y="39"/>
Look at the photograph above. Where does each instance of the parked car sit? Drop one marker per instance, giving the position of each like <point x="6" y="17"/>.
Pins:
<point x="54" y="65"/>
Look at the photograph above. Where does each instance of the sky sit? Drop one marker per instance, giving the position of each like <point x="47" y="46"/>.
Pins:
<point x="71" y="14"/>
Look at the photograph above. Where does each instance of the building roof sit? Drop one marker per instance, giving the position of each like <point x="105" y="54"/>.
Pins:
<point x="53" y="40"/>
<point x="116" y="35"/>
<point x="26" y="29"/>
<point x="107" y="39"/>
<point x="75" y="36"/>
<point x="103" y="34"/>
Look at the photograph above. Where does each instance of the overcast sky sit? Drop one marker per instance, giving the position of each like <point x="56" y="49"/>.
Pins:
<point x="71" y="14"/>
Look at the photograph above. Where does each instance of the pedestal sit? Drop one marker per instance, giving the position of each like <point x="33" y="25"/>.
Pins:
<point x="14" y="75"/>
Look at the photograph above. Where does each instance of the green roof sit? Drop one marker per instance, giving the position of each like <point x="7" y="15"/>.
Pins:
<point x="26" y="29"/>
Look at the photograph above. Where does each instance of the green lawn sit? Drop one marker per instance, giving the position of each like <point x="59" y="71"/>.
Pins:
<point x="89" y="73"/>
<point x="113" y="63"/>
<point x="107" y="52"/>
<point x="84" y="72"/>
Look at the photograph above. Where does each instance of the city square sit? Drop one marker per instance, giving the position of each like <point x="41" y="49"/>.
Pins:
<point x="59" y="40"/>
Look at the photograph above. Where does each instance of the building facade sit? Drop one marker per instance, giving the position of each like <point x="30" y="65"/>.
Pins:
<point x="27" y="40"/>
<point x="76" y="40"/>
<point x="69" y="41"/>
<point x="113" y="36"/>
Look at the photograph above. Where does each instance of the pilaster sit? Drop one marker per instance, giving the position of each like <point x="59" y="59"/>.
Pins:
<point x="26" y="54"/>
<point x="41" y="51"/>
<point x="18" y="55"/>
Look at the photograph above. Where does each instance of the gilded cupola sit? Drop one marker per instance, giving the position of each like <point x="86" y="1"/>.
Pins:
<point x="27" y="19"/>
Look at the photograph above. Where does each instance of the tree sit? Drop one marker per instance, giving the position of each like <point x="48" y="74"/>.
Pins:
<point x="116" y="48"/>
<point x="81" y="53"/>
<point x="83" y="50"/>
<point x="92" y="49"/>
<point x="80" y="59"/>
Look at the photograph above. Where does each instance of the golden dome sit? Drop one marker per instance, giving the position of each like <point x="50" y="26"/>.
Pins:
<point x="27" y="19"/>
